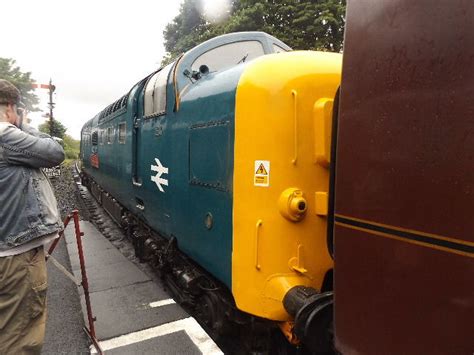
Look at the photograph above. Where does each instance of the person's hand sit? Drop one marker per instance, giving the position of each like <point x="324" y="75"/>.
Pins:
<point x="20" y="112"/>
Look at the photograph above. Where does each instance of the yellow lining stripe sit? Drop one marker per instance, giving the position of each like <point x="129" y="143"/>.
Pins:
<point x="450" y="245"/>
<point x="436" y="236"/>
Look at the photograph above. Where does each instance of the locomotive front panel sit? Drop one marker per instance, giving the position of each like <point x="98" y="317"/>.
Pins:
<point x="281" y="178"/>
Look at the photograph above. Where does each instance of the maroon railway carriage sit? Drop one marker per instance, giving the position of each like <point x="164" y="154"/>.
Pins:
<point x="404" y="190"/>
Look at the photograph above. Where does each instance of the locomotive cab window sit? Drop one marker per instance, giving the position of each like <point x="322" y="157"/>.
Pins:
<point x="122" y="130"/>
<point x="110" y="135"/>
<point x="95" y="138"/>
<point x="229" y="55"/>
<point x="155" y="92"/>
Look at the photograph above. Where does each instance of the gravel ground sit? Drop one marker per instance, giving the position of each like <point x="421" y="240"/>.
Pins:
<point x="67" y="194"/>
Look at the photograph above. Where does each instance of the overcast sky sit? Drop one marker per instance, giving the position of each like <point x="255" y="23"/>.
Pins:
<point x="94" y="51"/>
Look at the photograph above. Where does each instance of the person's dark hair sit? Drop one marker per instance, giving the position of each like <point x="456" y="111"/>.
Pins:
<point x="9" y="94"/>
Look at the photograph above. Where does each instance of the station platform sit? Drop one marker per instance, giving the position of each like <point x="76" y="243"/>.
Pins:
<point x="134" y="314"/>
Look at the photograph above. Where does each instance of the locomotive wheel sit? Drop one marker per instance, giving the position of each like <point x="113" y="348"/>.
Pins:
<point x="213" y="314"/>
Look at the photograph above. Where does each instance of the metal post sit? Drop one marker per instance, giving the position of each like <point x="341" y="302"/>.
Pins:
<point x="51" y="106"/>
<point x="61" y="233"/>
<point x="85" y="283"/>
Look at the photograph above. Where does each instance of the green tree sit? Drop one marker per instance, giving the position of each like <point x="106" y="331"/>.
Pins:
<point x="56" y="130"/>
<point x="185" y="31"/>
<point x="71" y="142"/>
<point x="71" y="145"/>
<point x="302" y="24"/>
<point x="22" y="80"/>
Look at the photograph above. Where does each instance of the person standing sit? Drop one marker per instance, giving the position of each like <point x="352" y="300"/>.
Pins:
<point x="29" y="219"/>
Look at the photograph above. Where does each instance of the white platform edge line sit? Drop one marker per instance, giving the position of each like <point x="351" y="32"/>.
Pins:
<point x="161" y="303"/>
<point x="198" y="336"/>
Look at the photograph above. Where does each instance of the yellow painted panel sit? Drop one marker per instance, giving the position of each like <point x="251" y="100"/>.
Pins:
<point x="275" y="152"/>
<point x="321" y="203"/>
<point x="322" y="112"/>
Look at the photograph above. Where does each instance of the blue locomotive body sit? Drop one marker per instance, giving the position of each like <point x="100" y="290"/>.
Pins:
<point x="223" y="156"/>
<point x="164" y="165"/>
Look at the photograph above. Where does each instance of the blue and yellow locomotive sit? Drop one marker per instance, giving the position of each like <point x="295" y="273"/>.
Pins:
<point x="218" y="167"/>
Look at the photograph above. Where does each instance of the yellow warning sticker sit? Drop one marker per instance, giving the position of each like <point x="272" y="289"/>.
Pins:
<point x="261" y="170"/>
<point x="262" y="173"/>
<point x="261" y="180"/>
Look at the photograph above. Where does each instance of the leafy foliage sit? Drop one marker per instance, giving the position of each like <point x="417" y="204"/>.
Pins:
<point x="71" y="145"/>
<point x="54" y="128"/>
<point x="23" y="81"/>
<point x="187" y="30"/>
<point x="302" y="24"/>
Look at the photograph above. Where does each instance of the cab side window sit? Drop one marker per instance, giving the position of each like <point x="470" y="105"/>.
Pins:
<point x="229" y="55"/>
<point x="122" y="133"/>
<point x="110" y="135"/>
<point x="95" y="138"/>
<point x="155" y="93"/>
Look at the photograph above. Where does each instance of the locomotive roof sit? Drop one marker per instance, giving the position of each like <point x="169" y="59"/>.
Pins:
<point x="266" y="40"/>
<point x="239" y="36"/>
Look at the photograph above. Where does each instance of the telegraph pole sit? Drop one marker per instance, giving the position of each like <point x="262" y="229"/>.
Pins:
<point x="51" y="106"/>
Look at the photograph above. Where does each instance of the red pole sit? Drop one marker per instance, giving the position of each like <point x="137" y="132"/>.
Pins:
<point x="61" y="233"/>
<point x="85" y="283"/>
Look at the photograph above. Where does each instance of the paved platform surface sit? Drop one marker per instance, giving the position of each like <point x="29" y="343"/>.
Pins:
<point x="64" y="334"/>
<point x="134" y="314"/>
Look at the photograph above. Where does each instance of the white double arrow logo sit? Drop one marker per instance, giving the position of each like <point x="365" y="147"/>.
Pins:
<point x="160" y="170"/>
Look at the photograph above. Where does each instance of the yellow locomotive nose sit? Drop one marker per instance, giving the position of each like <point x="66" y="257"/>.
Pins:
<point x="281" y="178"/>
<point x="292" y="204"/>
